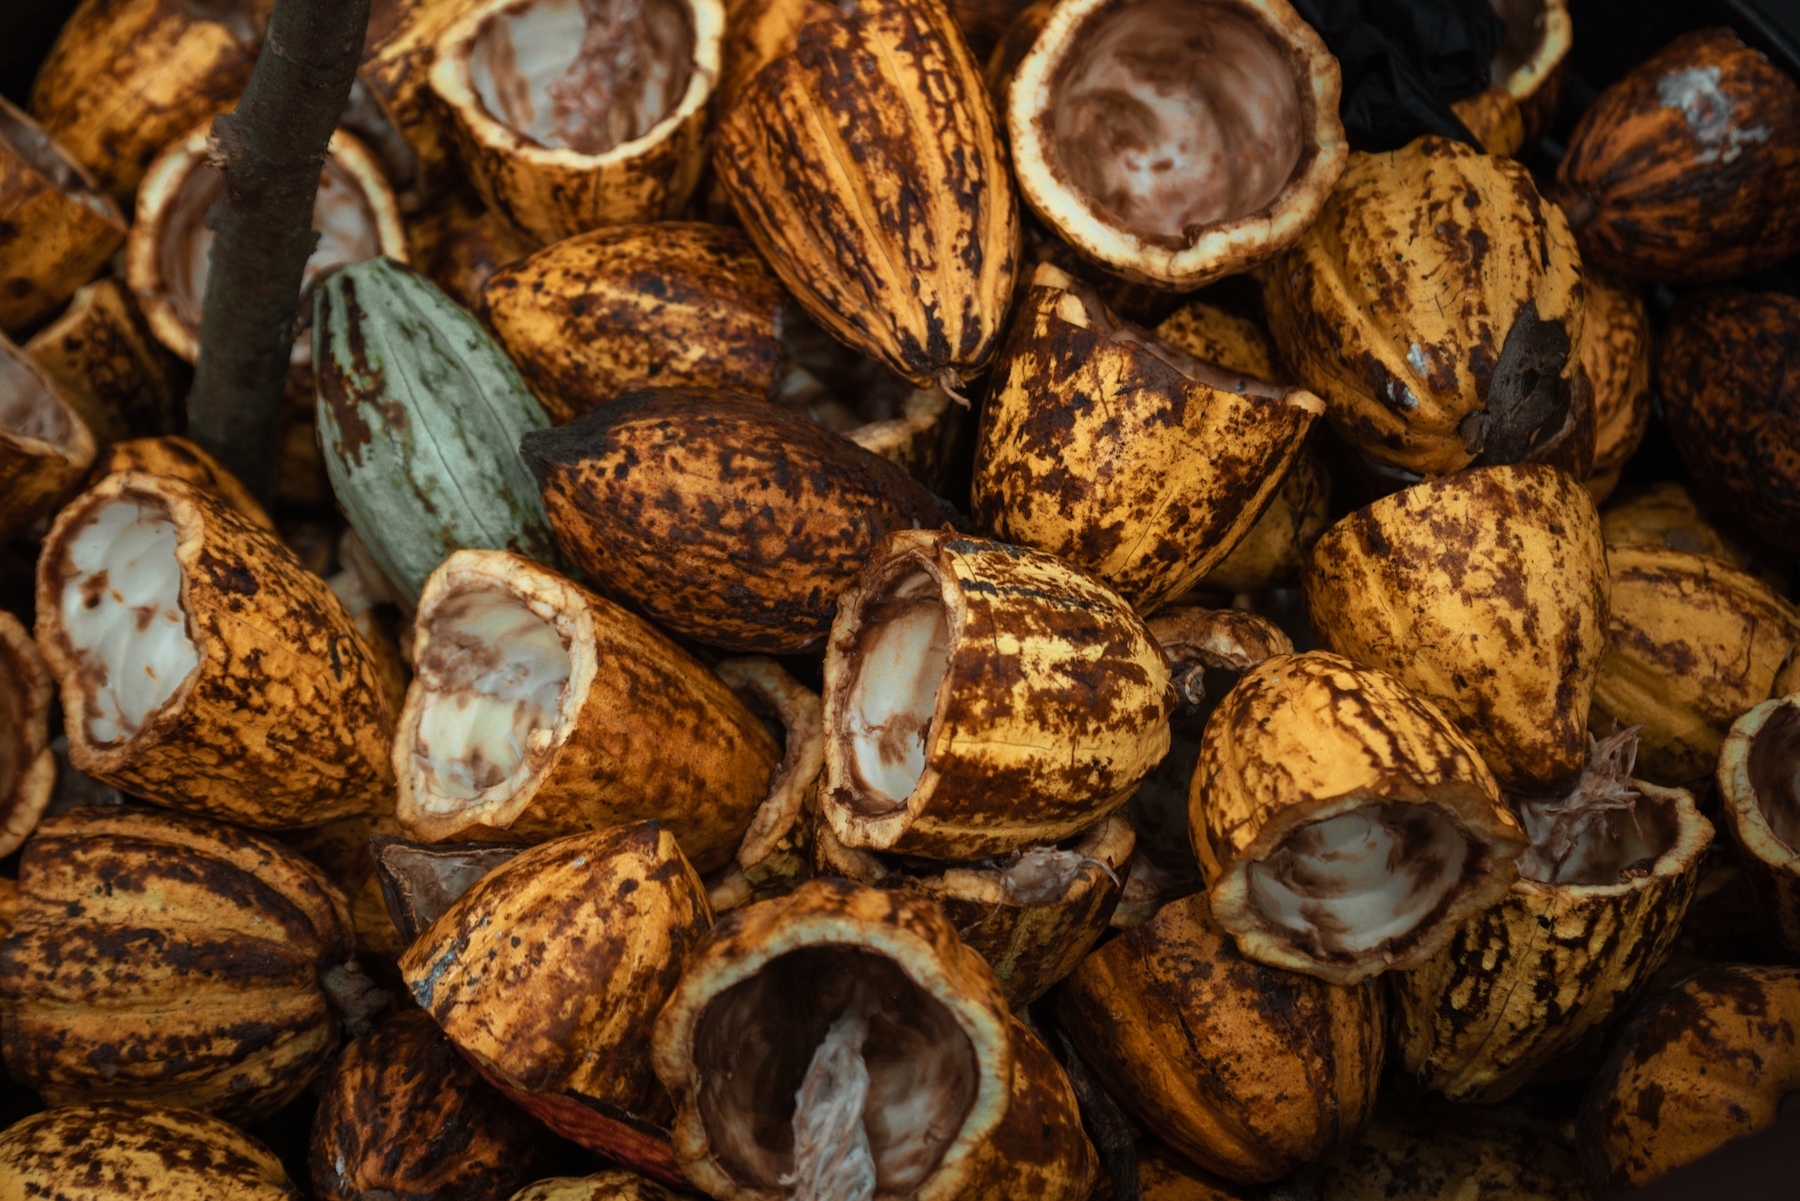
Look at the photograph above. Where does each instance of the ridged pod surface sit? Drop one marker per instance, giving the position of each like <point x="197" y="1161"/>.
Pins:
<point x="720" y="516"/>
<point x="115" y="1150"/>
<point x="282" y="720"/>
<point x="420" y="413"/>
<point x="1249" y="1071"/>
<point x="1615" y="353"/>
<point x="109" y="367"/>
<point x="171" y="959"/>
<point x="675" y="304"/>
<point x="1687" y="170"/>
<point x="867" y="166"/>
<point x="1759" y="767"/>
<point x="1485" y="592"/>
<point x="1436" y="306"/>
<point x="27" y="764"/>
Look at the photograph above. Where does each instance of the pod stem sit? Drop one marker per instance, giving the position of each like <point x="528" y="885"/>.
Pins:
<point x="270" y="151"/>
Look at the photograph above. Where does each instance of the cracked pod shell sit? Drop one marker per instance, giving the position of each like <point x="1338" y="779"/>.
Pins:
<point x="1484" y="592"/>
<point x="980" y="698"/>
<point x="27" y="765"/>
<point x="110" y="367"/>
<point x="634" y="728"/>
<point x="183" y="460"/>
<point x="1759" y="791"/>
<point x="1699" y="1065"/>
<point x="264" y="706"/>
<point x="1529" y="979"/>
<point x="1436" y="306"/>
<point x="166" y="958"/>
<point x="1316" y="774"/>
<point x="1692" y="644"/>
<point x="722" y="517"/>
<point x="113" y="1150"/>
<point x="675" y="304"/>
<point x="963" y="1102"/>
<point x="866" y="164"/>
<point x="1098" y="448"/>
<point x="1271" y="1070"/>
<point x="1615" y="353"/>
<point x="45" y="446"/>
<point x="1687" y="170"/>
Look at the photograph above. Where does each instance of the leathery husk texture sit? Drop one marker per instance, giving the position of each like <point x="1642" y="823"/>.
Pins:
<point x="202" y="666"/>
<point x="980" y="698"/>
<point x="27" y="765"/>
<point x="1759" y="791"/>
<point x="1424" y="1150"/>
<point x="108" y="365"/>
<point x="45" y="446"/>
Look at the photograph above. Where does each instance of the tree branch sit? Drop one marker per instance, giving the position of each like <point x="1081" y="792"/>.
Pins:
<point x="271" y="151"/>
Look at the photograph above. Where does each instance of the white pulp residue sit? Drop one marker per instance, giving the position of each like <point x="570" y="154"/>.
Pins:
<point x="832" y="1157"/>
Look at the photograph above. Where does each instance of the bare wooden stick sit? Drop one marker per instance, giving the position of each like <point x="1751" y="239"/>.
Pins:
<point x="270" y="151"/>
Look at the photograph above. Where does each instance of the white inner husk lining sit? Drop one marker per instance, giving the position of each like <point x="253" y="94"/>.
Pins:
<point x="901" y="660"/>
<point x="1775" y="774"/>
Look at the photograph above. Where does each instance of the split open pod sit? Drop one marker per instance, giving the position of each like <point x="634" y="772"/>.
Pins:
<point x="1759" y="791"/>
<point x="1175" y="142"/>
<point x="45" y="446"/>
<point x="27" y="765"/>
<point x="201" y="665"/>
<point x="540" y="709"/>
<point x="181" y="459"/>
<point x="1128" y="456"/>
<point x="980" y="698"/>
<point x="109" y="366"/>
<point x="842" y="1042"/>
<point x="1343" y="825"/>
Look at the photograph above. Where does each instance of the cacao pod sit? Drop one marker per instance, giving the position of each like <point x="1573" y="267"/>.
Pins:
<point x="1436" y="306"/>
<point x="391" y="104"/>
<point x="1615" y="353"/>
<point x="171" y="959"/>
<point x="774" y="855"/>
<point x="1758" y="769"/>
<point x="341" y="849"/>
<point x="723" y="518"/>
<point x="421" y="412"/>
<point x="790" y="1004"/>
<point x="540" y="710"/>
<point x="604" y="1186"/>
<point x="45" y="446"/>
<point x="1166" y="1176"/>
<point x="27" y="765"/>
<point x="183" y="460"/>
<point x="1687" y="169"/>
<point x="1274" y="552"/>
<point x="109" y="367"/>
<point x="201" y="665"/>
<point x="866" y="165"/>
<point x="420" y="881"/>
<point x="1424" y="1151"/>
<point x="1176" y="184"/>
<point x="1276" y="1070"/>
<point x="980" y="698"/>
<point x="459" y="244"/>
<point x="1531" y="61"/>
<point x="1343" y="825"/>
<point x="1493" y="116"/>
<point x="1664" y="514"/>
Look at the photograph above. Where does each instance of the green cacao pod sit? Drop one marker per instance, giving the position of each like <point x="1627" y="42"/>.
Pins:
<point x="420" y="414"/>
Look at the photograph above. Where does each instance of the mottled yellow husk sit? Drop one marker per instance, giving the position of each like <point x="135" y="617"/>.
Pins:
<point x="27" y="765"/>
<point x="1542" y="33"/>
<point x="399" y="49"/>
<point x="183" y="460"/>
<point x="1493" y="116"/>
<point x="108" y="365"/>
<point x="1615" y="353"/>
<point x="77" y="1152"/>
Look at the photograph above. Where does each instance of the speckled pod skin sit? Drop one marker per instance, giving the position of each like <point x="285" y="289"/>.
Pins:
<point x="1247" y="1070"/>
<point x="1165" y="1176"/>
<point x="1615" y="353"/>
<point x="1493" y="117"/>
<point x="166" y="958"/>
<point x="1424" y="1150"/>
<point x="282" y="723"/>
<point x="114" y="1150"/>
<point x="866" y="165"/>
<point x="27" y="765"/>
<point x="1725" y="373"/>
<point x="1702" y="1064"/>
<point x="183" y="460"/>
<point x="1687" y="170"/>
<point x="402" y="1111"/>
<point x="1756" y="799"/>
<point x="642" y="729"/>
<point x="1104" y="455"/>
<point x="1020" y="1135"/>
<point x="1441" y="333"/>
<point x="719" y="516"/>
<point x="603" y="1186"/>
<point x="1527" y="980"/>
<point x="126" y="77"/>
<point x="1030" y="945"/>
<point x="341" y="850"/>
<point x="399" y="49"/>
<point x="1693" y="644"/>
<point x="676" y="304"/>
<point x="45" y="447"/>
<point x="459" y="244"/>
<point x="1274" y="551"/>
<point x="1664" y="514"/>
<point x="555" y="193"/>
<point x="1054" y="702"/>
<point x="1484" y="592"/>
<point x="1302" y="738"/>
<point x="57" y="229"/>
<point x="109" y="367"/>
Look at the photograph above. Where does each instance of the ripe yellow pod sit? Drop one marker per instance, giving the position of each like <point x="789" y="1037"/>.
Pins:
<point x="181" y="459"/>
<point x="126" y="1149"/>
<point x="1615" y="353"/>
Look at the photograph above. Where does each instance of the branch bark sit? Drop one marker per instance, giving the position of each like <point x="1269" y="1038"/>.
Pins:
<point x="271" y="151"/>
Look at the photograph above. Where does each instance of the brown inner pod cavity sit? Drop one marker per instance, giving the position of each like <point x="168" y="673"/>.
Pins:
<point x="495" y="675"/>
<point x="1174" y="114"/>
<point x="902" y="656"/>
<point x="1775" y="773"/>
<point x="41" y="151"/>
<point x="584" y="75"/>
<point x="832" y="1022"/>
<point x="121" y="615"/>
<point x="1344" y="886"/>
<point x="1605" y="831"/>
<point x="29" y="408"/>
<point x="1524" y="34"/>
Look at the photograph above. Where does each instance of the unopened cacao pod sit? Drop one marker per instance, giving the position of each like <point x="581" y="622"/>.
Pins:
<point x="1759" y="790"/>
<point x="45" y="446"/>
<point x="109" y="366"/>
<point x="1615" y="353"/>
<point x="27" y="765"/>
<point x="1665" y="514"/>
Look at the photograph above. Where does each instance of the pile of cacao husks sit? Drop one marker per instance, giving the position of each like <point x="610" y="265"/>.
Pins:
<point x="869" y="600"/>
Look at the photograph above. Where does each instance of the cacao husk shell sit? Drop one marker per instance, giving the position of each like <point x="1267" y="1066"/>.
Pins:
<point x="109" y="367"/>
<point x="603" y="1186"/>
<point x="775" y="855"/>
<point x="27" y="765"/>
<point x="394" y="79"/>
<point x="1423" y="1150"/>
<point x="1533" y="60"/>
<point x="1761" y="809"/>
<point x="419" y="881"/>
<point x="180" y="459"/>
<point x="1493" y="116"/>
<point x="1274" y="552"/>
<point x="45" y="446"/>
<point x="1615" y="353"/>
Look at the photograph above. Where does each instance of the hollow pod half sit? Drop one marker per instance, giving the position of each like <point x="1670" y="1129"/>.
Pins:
<point x="183" y="460"/>
<point x="201" y="665"/>
<point x="1344" y="827"/>
<point x="980" y="697"/>
<point x="842" y="1042"/>
<point x="110" y="367"/>
<point x="1759" y="791"/>
<point x="540" y="709"/>
<point x="45" y="446"/>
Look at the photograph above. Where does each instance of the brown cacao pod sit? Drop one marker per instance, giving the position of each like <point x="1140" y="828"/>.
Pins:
<point x="45" y="446"/>
<point x="391" y="105"/>
<point x="170" y="959"/>
<point x="603" y="1186"/>
<point x="1615" y="353"/>
<point x="1687" y="170"/>
<point x="1759" y="766"/>
<point x="1276" y="1070"/>
<point x="109" y="366"/>
<point x="1424" y="1150"/>
<point x="1436" y="305"/>
<point x="27" y="765"/>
